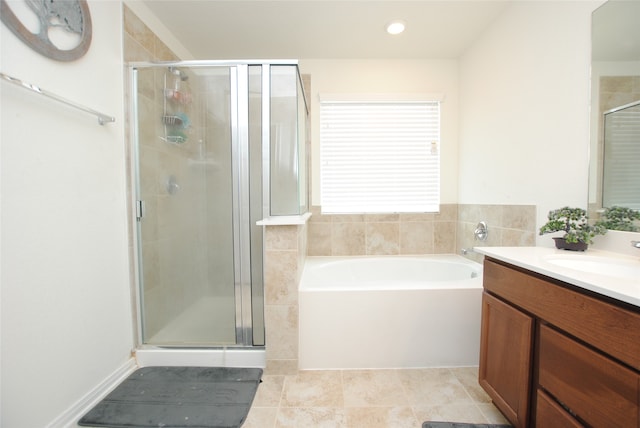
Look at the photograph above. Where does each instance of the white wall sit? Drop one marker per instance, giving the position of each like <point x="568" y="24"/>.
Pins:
<point x="388" y="77"/>
<point x="65" y="305"/>
<point x="524" y="86"/>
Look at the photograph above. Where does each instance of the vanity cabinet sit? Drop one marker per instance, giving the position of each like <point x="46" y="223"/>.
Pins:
<point x="554" y="355"/>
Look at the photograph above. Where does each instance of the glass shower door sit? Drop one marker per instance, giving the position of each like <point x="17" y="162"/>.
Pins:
<point x="187" y="194"/>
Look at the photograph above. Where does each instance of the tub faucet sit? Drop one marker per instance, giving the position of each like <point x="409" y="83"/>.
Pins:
<point x="635" y="244"/>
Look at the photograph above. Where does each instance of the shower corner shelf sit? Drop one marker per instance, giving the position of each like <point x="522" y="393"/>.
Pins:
<point x="174" y="118"/>
<point x="206" y="163"/>
<point x="174" y="139"/>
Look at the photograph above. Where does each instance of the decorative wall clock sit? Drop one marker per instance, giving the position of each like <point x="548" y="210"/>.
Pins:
<point x="71" y="15"/>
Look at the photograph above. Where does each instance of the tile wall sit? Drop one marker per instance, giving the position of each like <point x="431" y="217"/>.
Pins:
<point x="382" y="234"/>
<point x="404" y="234"/>
<point x="508" y="226"/>
<point x="285" y="251"/>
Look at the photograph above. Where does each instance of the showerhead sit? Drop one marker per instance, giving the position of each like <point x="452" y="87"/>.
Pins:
<point x="182" y="75"/>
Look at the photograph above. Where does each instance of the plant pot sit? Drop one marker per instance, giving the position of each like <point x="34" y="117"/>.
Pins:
<point x="562" y="244"/>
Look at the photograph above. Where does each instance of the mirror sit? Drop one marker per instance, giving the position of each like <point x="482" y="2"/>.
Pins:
<point x="614" y="174"/>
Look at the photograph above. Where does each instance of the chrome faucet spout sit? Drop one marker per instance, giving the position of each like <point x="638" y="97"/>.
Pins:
<point x="635" y="244"/>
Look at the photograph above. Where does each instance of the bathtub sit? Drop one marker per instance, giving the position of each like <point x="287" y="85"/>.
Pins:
<point x="389" y="312"/>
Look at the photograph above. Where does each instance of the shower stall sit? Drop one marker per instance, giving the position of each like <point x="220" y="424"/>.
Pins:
<point x="217" y="147"/>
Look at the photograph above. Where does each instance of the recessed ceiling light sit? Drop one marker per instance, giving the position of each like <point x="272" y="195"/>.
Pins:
<point x="395" y="27"/>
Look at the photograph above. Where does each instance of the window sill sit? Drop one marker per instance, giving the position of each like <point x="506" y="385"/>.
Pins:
<point x="285" y="220"/>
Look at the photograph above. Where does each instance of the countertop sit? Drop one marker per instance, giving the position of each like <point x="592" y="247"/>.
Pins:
<point x="536" y="260"/>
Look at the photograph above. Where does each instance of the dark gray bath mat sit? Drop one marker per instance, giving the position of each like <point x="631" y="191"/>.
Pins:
<point x="461" y="425"/>
<point x="179" y="397"/>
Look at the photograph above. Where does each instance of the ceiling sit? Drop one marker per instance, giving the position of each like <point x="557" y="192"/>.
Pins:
<point x="303" y="29"/>
<point x="616" y="31"/>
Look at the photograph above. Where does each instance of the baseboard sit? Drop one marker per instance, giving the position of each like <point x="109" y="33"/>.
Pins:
<point x="70" y="417"/>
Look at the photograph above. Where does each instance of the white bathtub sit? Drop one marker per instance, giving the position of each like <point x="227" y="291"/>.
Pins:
<point x="389" y="312"/>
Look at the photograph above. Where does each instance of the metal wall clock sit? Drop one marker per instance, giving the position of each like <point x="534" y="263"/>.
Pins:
<point x="72" y="15"/>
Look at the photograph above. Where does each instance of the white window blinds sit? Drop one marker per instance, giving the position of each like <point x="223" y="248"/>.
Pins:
<point x="380" y="157"/>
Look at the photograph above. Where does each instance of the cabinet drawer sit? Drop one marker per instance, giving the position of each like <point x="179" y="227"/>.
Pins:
<point x="598" y="390"/>
<point x="610" y="328"/>
<point x="551" y="414"/>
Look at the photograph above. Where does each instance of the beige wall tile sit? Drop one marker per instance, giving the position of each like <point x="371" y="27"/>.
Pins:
<point x="444" y="237"/>
<point x="374" y="218"/>
<point x="319" y="243"/>
<point x="416" y="237"/>
<point x="347" y="218"/>
<point x="281" y="325"/>
<point x="348" y="239"/>
<point x="281" y="277"/>
<point x="281" y="238"/>
<point x="138" y="30"/>
<point x="282" y="367"/>
<point x="382" y="238"/>
<point x="519" y="217"/>
<point x="448" y="212"/>
<point x="417" y="217"/>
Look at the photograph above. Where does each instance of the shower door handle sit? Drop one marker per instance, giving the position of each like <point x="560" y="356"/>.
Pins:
<point x="140" y="210"/>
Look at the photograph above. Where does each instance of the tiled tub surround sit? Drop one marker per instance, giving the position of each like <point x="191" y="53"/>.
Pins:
<point x="382" y="234"/>
<point x="508" y="225"/>
<point x="445" y="232"/>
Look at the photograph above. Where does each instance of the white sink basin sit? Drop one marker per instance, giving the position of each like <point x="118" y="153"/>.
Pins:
<point x="609" y="266"/>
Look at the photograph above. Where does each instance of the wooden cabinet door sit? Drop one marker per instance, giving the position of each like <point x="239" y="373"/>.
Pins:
<point x="506" y="343"/>
<point x="551" y="414"/>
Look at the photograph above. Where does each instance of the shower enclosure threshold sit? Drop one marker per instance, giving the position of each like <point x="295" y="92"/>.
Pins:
<point x="226" y="357"/>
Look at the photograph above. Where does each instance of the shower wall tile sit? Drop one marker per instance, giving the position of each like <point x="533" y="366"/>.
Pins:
<point x="134" y="27"/>
<point x="134" y="51"/>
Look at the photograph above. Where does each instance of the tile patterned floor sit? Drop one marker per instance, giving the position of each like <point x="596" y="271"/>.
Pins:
<point x="371" y="399"/>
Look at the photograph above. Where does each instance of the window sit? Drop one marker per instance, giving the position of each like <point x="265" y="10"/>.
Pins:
<point x="380" y="157"/>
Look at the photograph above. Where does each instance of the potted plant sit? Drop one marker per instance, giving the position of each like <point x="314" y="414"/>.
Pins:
<point x="620" y="218"/>
<point x="578" y="233"/>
